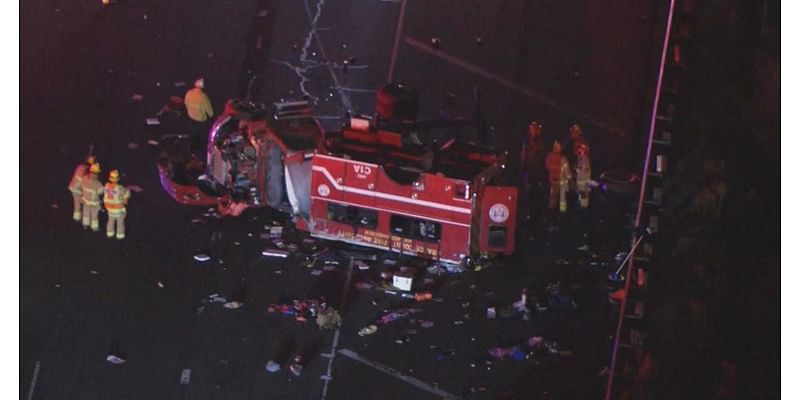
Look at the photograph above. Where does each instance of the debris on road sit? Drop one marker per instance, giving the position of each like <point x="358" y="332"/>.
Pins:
<point x="152" y="121"/>
<point x="275" y="253"/>
<point x="272" y="366"/>
<point x="368" y="330"/>
<point x="178" y="84"/>
<point x="186" y="375"/>
<point x="397" y="314"/>
<point x="297" y="366"/>
<point x="152" y="142"/>
<point x="362" y="266"/>
<point x="301" y="310"/>
<point x="137" y="97"/>
<point x="115" y="359"/>
<point x="133" y="145"/>
<point x="328" y="318"/>
<point x="232" y="305"/>
<point x="160" y="284"/>
<point x="202" y="257"/>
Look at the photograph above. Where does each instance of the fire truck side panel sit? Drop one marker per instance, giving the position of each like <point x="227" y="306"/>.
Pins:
<point x="498" y="219"/>
<point x="327" y="178"/>
<point x="359" y="183"/>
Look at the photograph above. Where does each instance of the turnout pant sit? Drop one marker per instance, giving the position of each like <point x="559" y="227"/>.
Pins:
<point x="90" y="216"/>
<point x="76" y="206"/>
<point x="116" y="219"/>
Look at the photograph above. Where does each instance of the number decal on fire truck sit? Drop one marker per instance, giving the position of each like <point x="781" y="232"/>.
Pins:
<point x="498" y="213"/>
<point x="323" y="190"/>
<point x="362" y="171"/>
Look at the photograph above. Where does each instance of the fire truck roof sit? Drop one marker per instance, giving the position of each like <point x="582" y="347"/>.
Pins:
<point x="404" y="160"/>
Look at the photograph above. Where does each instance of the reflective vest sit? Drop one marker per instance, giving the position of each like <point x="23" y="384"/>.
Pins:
<point x="566" y="174"/>
<point x="115" y="198"/>
<point x="583" y="172"/>
<point x="91" y="188"/>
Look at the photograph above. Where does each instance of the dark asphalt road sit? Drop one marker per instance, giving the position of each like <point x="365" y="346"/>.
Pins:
<point x="80" y="66"/>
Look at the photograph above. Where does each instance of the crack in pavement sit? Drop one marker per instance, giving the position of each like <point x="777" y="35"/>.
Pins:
<point x="306" y="64"/>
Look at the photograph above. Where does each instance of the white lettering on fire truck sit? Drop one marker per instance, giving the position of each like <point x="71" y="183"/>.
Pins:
<point x="498" y="213"/>
<point x="323" y="190"/>
<point x="362" y="170"/>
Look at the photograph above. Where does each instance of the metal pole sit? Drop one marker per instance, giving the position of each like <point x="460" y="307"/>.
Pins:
<point x="397" y="34"/>
<point x="637" y="224"/>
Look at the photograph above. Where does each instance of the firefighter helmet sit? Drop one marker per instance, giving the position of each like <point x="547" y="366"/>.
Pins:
<point x="113" y="176"/>
<point x="534" y="129"/>
<point x="90" y="160"/>
<point x="556" y="147"/>
<point x="95" y="168"/>
<point x="575" y="131"/>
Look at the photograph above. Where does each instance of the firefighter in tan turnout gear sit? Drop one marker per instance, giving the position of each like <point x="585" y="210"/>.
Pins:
<point x="560" y="175"/>
<point x="75" y="187"/>
<point x="91" y="188"/>
<point x="583" y="174"/>
<point x="115" y="198"/>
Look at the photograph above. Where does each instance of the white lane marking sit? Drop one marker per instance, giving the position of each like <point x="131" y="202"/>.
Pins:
<point x="328" y="375"/>
<point x="34" y="379"/>
<point x="511" y="85"/>
<point x="387" y="196"/>
<point x="391" y="371"/>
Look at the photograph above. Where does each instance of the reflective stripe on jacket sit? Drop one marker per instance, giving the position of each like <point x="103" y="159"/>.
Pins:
<point x="91" y="187"/>
<point x="115" y="197"/>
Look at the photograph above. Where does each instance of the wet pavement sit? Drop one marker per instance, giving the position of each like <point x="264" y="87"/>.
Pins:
<point x="84" y="296"/>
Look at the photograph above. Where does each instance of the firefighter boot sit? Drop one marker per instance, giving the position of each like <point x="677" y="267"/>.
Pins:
<point x="583" y="198"/>
<point x="121" y="227"/>
<point x="94" y="220"/>
<point x="110" y="226"/>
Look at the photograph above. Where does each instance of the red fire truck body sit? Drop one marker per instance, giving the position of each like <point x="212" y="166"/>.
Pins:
<point x="361" y="185"/>
<point x="405" y="206"/>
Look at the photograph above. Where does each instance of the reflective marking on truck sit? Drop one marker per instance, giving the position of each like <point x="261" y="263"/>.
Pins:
<point x="387" y="196"/>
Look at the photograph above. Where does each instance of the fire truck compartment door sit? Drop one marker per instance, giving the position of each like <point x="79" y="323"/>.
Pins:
<point x="298" y="187"/>
<point x="498" y="219"/>
<point x="360" y="182"/>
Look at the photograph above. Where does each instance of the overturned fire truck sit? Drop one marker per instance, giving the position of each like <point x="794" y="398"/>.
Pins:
<point x="373" y="183"/>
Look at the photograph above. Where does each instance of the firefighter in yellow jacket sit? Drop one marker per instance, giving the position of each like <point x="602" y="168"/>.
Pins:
<point x="115" y="198"/>
<point x="75" y="187"/>
<point x="560" y="175"/>
<point x="91" y="189"/>
<point x="198" y="106"/>
<point x="583" y="174"/>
